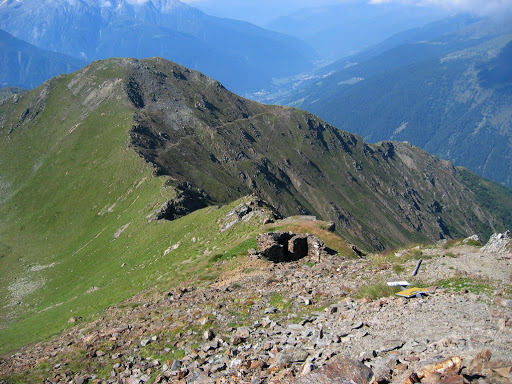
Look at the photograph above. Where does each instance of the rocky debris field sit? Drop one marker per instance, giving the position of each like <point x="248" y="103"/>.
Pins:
<point x="327" y="320"/>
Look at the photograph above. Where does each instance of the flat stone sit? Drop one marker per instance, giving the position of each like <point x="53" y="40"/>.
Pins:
<point x="341" y="370"/>
<point x="243" y="332"/>
<point x="291" y="356"/>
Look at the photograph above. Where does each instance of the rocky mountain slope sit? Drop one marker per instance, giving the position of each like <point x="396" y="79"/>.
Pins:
<point x="118" y="177"/>
<point x="448" y="94"/>
<point x="193" y="130"/>
<point x="26" y="66"/>
<point x="307" y="321"/>
<point x="189" y="127"/>
<point x="226" y="49"/>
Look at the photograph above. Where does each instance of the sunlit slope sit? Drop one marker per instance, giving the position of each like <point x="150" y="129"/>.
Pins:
<point x="74" y="231"/>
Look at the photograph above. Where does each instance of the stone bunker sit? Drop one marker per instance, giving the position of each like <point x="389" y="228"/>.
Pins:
<point x="280" y="247"/>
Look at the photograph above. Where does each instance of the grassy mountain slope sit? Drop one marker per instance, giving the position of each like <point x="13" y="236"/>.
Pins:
<point x="448" y="94"/>
<point x="74" y="232"/>
<point x="77" y="198"/>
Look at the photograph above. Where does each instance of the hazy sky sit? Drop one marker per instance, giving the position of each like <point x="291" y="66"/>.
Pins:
<point x="261" y="11"/>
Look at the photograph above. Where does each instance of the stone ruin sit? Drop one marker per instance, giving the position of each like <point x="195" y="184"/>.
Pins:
<point x="280" y="247"/>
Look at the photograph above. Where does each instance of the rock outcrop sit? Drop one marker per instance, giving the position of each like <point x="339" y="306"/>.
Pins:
<point x="187" y="200"/>
<point x="245" y="211"/>
<point x="499" y="243"/>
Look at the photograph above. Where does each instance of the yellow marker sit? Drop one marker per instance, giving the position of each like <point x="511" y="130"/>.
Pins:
<point x="411" y="292"/>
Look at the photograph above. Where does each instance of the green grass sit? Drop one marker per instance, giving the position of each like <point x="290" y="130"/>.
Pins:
<point x="280" y="302"/>
<point x="377" y="290"/>
<point x="476" y="286"/>
<point x="473" y="243"/>
<point x="74" y="185"/>
<point x="238" y="250"/>
<point x="36" y="375"/>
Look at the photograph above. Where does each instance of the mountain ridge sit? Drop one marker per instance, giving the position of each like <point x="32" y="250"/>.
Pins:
<point x="91" y="158"/>
<point x="192" y="129"/>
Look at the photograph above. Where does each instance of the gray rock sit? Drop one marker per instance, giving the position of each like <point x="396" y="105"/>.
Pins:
<point x="471" y="238"/>
<point x="295" y="327"/>
<point x="498" y="242"/>
<point x="341" y="370"/>
<point x="197" y="377"/>
<point x="208" y="335"/>
<point x="357" y="325"/>
<point x="381" y="371"/>
<point x="243" y="332"/>
<point x="291" y="356"/>
<point x="176" y="364"/>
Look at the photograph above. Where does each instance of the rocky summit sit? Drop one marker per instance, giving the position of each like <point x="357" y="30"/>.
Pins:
<point x="307" y="321"/>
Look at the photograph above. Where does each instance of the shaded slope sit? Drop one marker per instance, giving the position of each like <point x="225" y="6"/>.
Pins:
<point x="194" y="130"/>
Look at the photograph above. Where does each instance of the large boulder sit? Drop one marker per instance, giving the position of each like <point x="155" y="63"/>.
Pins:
<point x="342" y="370"/>
<point x="499" y="243"/>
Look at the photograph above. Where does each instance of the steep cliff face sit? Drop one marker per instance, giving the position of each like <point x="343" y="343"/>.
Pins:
<point x="192" y="129"/>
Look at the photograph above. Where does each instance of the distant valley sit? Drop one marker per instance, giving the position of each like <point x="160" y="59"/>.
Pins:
<point x="341" y="30"/>
<point x="437" y="92"/>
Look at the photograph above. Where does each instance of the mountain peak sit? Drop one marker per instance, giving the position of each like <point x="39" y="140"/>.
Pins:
<point x="193" y="130"/>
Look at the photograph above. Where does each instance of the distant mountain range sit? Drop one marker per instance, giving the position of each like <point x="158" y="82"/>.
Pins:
<point x="26" y="66"/>
<point x="243" y="56"/>
<point x="446" y="88"/>
<point x="340" y="30"/>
